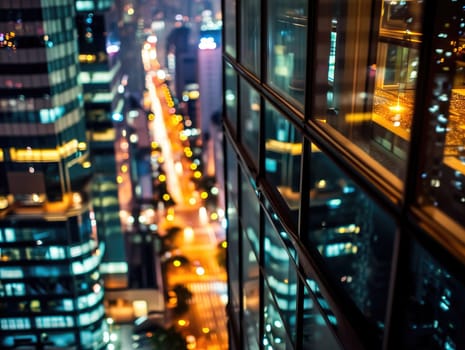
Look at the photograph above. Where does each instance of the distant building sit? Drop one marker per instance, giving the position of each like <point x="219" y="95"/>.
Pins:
<point x="104" y="103"/>
<point x="51" y="293"/>
<point x="345" y="174"/>
<point x="210" y="89"/>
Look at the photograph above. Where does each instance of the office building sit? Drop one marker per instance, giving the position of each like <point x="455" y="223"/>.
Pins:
<point x="210" y="82"/>
<point x="345" y="189"/>
<point x="104" y="88"/>
<point x="51" y="290"/>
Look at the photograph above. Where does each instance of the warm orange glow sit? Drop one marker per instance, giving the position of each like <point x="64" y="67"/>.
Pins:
<point x="358" y="117"/>
<point x="45" y="155"/>
<point x="182" y="322"/>
<point x="283" y="147"/>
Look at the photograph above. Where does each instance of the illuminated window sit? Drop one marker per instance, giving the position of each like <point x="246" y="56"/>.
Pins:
<point x="15" y="323"/>
<point x="15" y="289"/>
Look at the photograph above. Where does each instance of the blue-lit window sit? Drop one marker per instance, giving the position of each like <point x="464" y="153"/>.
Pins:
<point x="433" y="318"/>
<point x="14" y="289"/>
<point x="281" y="278"/>
<point x="317" y="321"/>
<point x="351" y="233"/>
<point x="88" y="318"/>
<point x="15" y="323"/>
<point x="275" y="334"/>
<point x="54" y="321"/>
<point x="11" y="272"/>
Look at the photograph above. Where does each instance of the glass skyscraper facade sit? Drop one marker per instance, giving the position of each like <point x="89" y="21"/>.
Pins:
<point x="51" y="293"/>
<point x="345" y="173"/>
<point x="104" y="104"/>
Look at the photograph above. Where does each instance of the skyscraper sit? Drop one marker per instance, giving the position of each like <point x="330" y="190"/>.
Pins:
<point x="345" y="180"/>
<point x="104" y="86"/>
<point x="50" y="286"/>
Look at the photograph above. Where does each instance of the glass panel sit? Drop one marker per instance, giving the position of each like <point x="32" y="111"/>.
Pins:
<point x="278" y="224"/>
<point x="434" y="316"/>
<point x="250" y="35"/>
<point x="353" y="235"/>
<point x="250" y="214"/>
<point x="230" y="95"/>
<point x="444" y="173"/>
<point x="250" y="296"/>
<point x="231" y="173"/>
<point x="281" y="278"/>
<point x="250" y="119"/>
<point x="275" y="336"/>
<point x="316" y="332"/>
<point x="287" y="47"/>
<point x="283" y="149"/>
<point x="233" y="235"/>
<point x="365" y="88"/>
<point x="229" y="18"/>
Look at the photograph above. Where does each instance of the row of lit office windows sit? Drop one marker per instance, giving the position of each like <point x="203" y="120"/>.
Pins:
<point x="50" y="305"/>
<point x="92" y="337"/>
<point x="62" y="285"/>
<point x="77" y="268"/>
<point x="54" y="56"/>
<point x="46" y="252"/>
<point x="78" y="229"/>
<point x="40" y="80"/>
<point x="84" y="319"/>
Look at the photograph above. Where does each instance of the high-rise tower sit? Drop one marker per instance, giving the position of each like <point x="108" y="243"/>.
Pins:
<point x="50" y="286"/>
<point x="104" y="104"/>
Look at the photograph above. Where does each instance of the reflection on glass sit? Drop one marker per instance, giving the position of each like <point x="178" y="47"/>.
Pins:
<point x="281" y="278"/>
<point x="233" y="234"/>
<point x="250" y="211"/>
<point x="229" y="19"/>
<point x="250" y="38"/>
<point x="316" y="331"/>
<point x="250" y="296"/>
<point x="278" y="224"/>
<point x="283" y="149"/>
<point x="434" y="316"/>
<point x="444" y="172"/>
<point x="275" y="336"/>
<point x="352" y="234"/>
<point x="250" y="119"/>
<point x="287" y="48"/>
<point x="230" y="95"/>
<point x="231" y="175"/>
<point x="367" y="91"/>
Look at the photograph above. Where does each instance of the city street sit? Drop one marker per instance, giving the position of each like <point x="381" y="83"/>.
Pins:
<point x="201" y="231"/>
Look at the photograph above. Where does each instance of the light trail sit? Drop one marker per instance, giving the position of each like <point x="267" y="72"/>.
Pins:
<point x="160" y="135"/>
